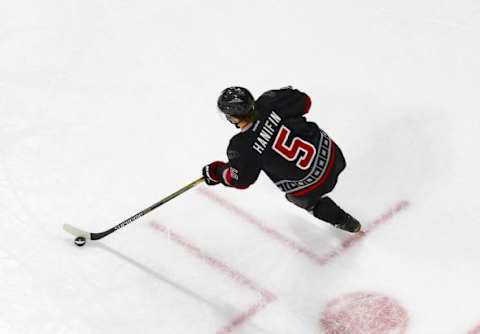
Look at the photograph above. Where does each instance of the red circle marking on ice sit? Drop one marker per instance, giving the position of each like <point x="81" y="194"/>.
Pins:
<point x="364" y="313"/>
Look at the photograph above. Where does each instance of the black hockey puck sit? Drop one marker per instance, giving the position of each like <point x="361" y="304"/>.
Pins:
<point x="80" y="241"/>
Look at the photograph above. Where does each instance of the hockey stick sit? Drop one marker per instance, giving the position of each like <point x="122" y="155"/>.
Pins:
<point x="95" y="236"/>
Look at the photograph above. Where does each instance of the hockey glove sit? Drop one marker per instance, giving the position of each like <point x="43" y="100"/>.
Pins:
<point x="211" y="172"/>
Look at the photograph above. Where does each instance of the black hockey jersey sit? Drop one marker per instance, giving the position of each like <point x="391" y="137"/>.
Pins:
<point x="295" y="154"/>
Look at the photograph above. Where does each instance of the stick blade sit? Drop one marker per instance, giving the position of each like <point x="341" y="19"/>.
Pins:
<point x="76" y="231"/>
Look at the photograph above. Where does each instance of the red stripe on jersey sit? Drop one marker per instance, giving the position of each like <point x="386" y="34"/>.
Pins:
<point x="308" y="104"/>
<point x="323" y="178"/>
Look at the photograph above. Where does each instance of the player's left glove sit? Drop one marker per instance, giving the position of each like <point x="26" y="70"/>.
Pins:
<point x="211" y="172"/>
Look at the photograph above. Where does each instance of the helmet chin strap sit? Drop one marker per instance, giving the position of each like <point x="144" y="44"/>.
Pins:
<point x="232" y="121"/>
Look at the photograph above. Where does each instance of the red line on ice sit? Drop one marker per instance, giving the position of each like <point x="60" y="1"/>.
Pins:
<point x="267" y="297"/>
<point x="319" y="259"/>
<point x="347" y="243"/>
<point x="268" y="230"/>
<point x="244" y="316"/>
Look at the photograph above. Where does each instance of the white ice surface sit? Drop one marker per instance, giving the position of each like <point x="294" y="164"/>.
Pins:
<point x="108" y="106"/>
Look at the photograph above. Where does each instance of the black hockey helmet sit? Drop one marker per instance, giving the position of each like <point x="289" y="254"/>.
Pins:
<point x="236" y="101"/>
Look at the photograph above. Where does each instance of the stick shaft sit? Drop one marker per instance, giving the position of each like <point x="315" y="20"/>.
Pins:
<point x="96" y="236"/>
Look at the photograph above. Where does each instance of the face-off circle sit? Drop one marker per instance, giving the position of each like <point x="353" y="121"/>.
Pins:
<point x="363" y="313"/>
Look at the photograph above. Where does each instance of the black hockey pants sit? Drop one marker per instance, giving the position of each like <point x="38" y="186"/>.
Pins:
<point x="315" y="201"/>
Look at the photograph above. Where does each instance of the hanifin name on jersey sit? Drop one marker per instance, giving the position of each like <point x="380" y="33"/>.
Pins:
<point x="271" y="123"/>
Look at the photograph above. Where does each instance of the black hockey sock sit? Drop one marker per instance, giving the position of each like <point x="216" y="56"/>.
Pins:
<point x="327" y="210"/>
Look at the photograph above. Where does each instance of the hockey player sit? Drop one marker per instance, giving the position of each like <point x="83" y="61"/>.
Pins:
<point x="298" y="156"/>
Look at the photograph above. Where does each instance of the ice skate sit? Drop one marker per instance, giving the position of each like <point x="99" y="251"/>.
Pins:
<point x="348" y="223"/>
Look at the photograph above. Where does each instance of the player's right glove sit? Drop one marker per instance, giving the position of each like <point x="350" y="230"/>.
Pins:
<point x="211" y="172"/>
